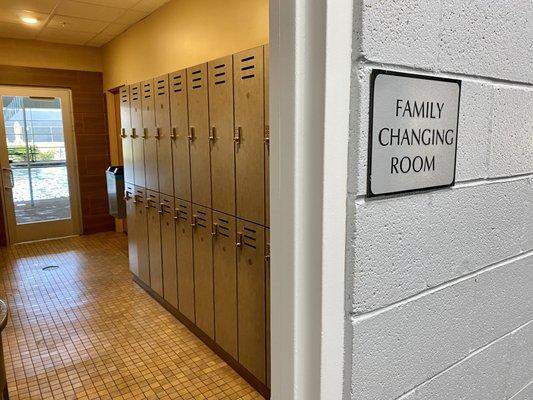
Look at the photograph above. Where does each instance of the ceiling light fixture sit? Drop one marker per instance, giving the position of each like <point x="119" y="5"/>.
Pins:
<point x="29" y="20"/>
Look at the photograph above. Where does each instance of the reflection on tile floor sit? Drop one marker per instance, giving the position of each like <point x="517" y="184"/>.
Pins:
<point x="86" y="331"/>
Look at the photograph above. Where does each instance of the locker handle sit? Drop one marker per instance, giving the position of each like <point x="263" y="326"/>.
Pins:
<point x="158" y="133"/>
<point x="239" y="239"/>
<point x="212" y="134"/>
<point x="191" y="133"/>
<point x="147" y="203"/>
<point x="237" y="135"/>
<point x="176" y="215"/>
<point x="173" y="135"/>
<point x="161" y="205"/>
<point x="193" y="224"/>
<point x="135" y="199"/>
<point x="133" y="133"/>
<point x="267" y="135"/>
<point x="215" y="229"/>
<point x="123" y="134"/>
<point x="145" y="133"/>
<point x="267" y="255"/>
<point x="127" y="196"/>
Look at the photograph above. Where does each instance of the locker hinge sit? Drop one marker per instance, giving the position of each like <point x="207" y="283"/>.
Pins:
<point x="267" y="135"/>
<point x="237" y="135"/>
<point x="239" y="239"/>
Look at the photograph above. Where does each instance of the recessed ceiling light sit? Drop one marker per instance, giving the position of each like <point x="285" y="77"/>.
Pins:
<point x="29" y="20"/>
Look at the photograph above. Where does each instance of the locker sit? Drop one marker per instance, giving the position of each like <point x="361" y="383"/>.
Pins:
<point x="184" y="257"/>
<point x="168" y="250"/>
<point x="221" y="134"/>
<point x="251" y="297"/>
<point x="154" y="241"/>
<point x="203" y="270"/>
<point x="267" y="137"/>
<point x="149" y="135"/>
<point x="125" y="134"/>
<point x="199" y="135"/>
<point x="180" y="134"/>
<point x="129" y="193"/>
<point x="249" y="134"/>
<point x="267" y="284"/>
<point x="162" y="135"/>
<point x="141" y="234"/>
<point x="137" y="135"/>
<point x="225" y="282"/>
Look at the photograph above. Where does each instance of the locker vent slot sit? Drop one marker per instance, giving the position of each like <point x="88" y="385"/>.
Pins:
<point x="220" y="66"/>
<point x="183" y="212"/>
<point x="176" y="85"/>
<point x="135" y="93"/>
<point x="198" y="80"/>
<point x="248" y="76"/>
<point x="201" y="219"/>
<point x="220" y="80"/>
<point x="247" y="58"/>
<point x="161" y="88"/>
<point x="248" y="67"/>
<point x="196" y="72"/>
<point x="250" y="237"/>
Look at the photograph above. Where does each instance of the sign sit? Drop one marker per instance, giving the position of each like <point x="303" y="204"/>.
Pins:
<point x="413" y="132"/>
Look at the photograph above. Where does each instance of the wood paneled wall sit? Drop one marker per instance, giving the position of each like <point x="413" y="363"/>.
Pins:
<point x="88" y="105"/>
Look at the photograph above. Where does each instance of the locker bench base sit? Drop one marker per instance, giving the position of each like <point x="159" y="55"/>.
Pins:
<point x="243" y="372"/>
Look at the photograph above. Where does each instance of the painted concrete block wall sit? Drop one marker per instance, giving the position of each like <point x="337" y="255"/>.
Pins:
<point x="440" y="283"/>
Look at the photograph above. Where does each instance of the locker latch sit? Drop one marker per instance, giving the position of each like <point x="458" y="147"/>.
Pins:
<point x="147" y="203"/>
<point x="267" y="135"/>
<point x="158" y="133"/>
<point x="161" y="207"/>
<point x="127" y="196"/>
<point x="193" y="224"/>
<point x="173" y="135"/>
<point x="212" y="134"/>
<point x="145" y="133"/>
<point x="215" y="229"/>
<point x="134" y="198"/>
<point x="237" y="135"/>
<point x="191" y="133"/>
<point x="267" y="253"/>
<point x="133" y="133"/>
<point x="239" y="239"/>
<point x="177" y="214"/>
<point x="123" y="134"/>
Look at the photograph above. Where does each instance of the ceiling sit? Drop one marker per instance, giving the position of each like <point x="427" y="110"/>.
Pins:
<point x="87" y="22"/>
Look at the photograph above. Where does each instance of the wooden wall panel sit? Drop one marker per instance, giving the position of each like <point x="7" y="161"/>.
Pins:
<point x="90" y="129"/>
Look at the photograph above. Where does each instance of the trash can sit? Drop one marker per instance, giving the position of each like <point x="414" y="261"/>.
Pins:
<point x="115" y="191"/>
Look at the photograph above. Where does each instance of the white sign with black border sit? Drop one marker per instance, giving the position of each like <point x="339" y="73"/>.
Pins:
<point x="413" y="132"/>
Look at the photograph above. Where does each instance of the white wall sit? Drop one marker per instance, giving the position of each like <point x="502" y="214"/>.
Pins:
<point x="440" y="283"/>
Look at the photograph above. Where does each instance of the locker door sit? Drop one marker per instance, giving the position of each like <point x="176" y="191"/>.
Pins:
<point x="249" y="134"/>
<point x="203" y="270"/>
<point x="129" y="193"/>
<point x="267" y="280"/>
<point x="251" y="297"/>
<point x="221" y="134"/>
<point x="164" y="141"/>
<point x="199" y="135"/>
<point x="136" y="135"/>
<point x="125" y="134"/>
<point x="180" y="134"/>
<point x="184" y="258"/>
<point x="225" y="282"/>
<point x="168" y="250"/>
<point x="141" y="235"/>
<point x="154" y="241"/>
<point x="149" y="135"/>
<point x="267" y="138"/>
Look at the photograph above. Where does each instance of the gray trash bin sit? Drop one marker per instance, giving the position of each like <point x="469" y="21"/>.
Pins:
<point x="115" y="191"/>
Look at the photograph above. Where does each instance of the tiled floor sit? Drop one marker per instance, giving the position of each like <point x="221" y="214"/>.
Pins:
<point x="86" y="331"/>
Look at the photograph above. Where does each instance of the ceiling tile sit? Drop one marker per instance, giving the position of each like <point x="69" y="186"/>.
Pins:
<point x="43" y="6"/>
<point x="13" y="16"/>
<point x="17" y="31"/>
<point x="76" y="24"/>
<point x="130" y="17"/>
<point x="99" y="40"/>
<point x="64" y="36"/>
<point x="114" y="29"/>
<point x="90" y="11"/>
<point x="149" y="5"/>
<point x="126" y="4"/>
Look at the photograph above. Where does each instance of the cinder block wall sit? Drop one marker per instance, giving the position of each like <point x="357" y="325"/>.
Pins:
<point x="440" y="283"/>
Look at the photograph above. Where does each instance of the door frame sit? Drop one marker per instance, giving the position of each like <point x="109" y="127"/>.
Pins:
<point x="310" y="75"/>
<point x="70" y="148"/>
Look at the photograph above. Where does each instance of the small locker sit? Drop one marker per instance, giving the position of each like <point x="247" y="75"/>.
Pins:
<point x="251" y="296"/>
<point x="267" y="284"/>
<point x="249" y="134"/>
<point x="184" y="257"/>
<point x="203" y="270"/>
<point x="137" y="135"/>
<point x="221" y="134"/>
<point x="129" y="197"/>
<point x="225" y="282"/>
<point x="180" y="135"/>
<point x="199" y="135"/>
<point x="267" y="139"/>
<point x="149" y="135"/>
<point x="154" y="241"/>
<point x="125" y="134"/>
<point x="162" y="135"/>
<point x="141" y="234"/>
<point x="168" y="250"/>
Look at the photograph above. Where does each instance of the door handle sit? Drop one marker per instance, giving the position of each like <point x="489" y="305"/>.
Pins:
<point x="11" y="178"/>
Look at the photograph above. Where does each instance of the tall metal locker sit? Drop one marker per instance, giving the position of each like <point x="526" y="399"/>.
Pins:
<point x="249" y="134"/>
<point x="154" y="241"/>
<point x="267" y="285"/>
<point x="180" y="134"/>
<point x="141" y="234"/>
<point x="199" y="134"/>
<point x="129" y="196"/>
<point x="162" y="135"/>
<point x="225" y="282"/>
<point x="203" y="270"/>
<point x="184" y="257"/>
<point x="168" y="250"/>
<point x="251" y="297"/>
<point x="267" y="137"/>
<point x="125" y="134"/>
<point x="221" y="134"/>
<point x="137" y="135"/>
<point x="149" y="134"/>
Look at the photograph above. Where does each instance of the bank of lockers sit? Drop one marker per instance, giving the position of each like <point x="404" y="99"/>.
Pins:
<point x="125" y="134"/>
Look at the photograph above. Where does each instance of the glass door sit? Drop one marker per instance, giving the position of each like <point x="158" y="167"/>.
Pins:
<point x="39" y="172"/>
